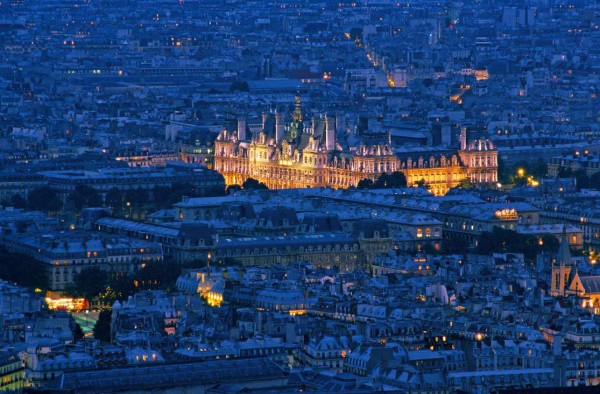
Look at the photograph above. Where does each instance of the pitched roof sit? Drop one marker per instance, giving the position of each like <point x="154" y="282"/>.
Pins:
<point x="591" y="284"/>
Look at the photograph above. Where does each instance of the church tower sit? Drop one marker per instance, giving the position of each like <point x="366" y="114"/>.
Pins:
<point x="296" y="127"/>
<point x="561" y="268"/>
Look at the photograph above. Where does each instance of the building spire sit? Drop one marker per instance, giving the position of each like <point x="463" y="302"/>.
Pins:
<point x="564" y="254"/>
<point x="298" y="108"/>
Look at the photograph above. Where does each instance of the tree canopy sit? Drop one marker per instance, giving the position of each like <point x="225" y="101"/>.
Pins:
<point x="508" y="173"/>
<point x="385" y="181"/>
<point x="89" y="283"/>
<point x="102" y="330"/>
<point x="365" y="184"/>
<point x="253" y="184"/>
<point x="44" y="199"/>
<point x="85" y="196"/>
<point x="23" y="270"/>
<point x="500" y="240"/>
<point x="93" y="282"/>
<point x="583" y="180"/>
<point x="232" y="189"/>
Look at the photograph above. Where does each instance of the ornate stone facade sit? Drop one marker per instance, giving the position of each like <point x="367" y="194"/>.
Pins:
<point x="322" y="153"/>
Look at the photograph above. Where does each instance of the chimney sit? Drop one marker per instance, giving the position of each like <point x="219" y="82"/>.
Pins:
<point x="330" y="133"/>
<point x="463" y="138"/>
<point x="279" y="127"/>
<point x="264" y="120"/>
<point x="241" y="129"/>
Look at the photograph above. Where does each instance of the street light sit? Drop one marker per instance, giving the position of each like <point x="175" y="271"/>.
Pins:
<point x="521" y="172"/>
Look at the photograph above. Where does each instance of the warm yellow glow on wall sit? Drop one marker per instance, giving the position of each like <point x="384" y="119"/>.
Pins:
<point x="69" y="304"/>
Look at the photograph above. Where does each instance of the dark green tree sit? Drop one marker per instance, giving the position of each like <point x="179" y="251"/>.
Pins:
<point x="136" y="197"/>
<point x="78" y="332"/>
<point x="466" y="184"/>
<point x="539" y="168"/>
<point x="232" y="189"/>
<point x="503" y="240"/>
<point x="89" y="283"/>
<point x="114" y="199"/>
<point x="44" y="199"/>
<point x="384" y="181"/>
<point x="158" y="275"/>
<point x="421" y="183"/>
<point x="162" y="196"/>
<point x="253" y="184"/>
<point x="85" y="196"/>
<point x="23" y="270"/>
<point x="398" y="179"/>
<point x="504" y="170"/>
<point x="119" y="287"/>
<point x="365" y="184"/>
<point x="456" y="246"/>
<point x="102" y="329"/>
<point x="389" y="181"/>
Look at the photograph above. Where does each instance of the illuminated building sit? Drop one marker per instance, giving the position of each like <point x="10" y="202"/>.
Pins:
<point x="298" y="154"/>
<point x="587" y="289"/>
<point x="66" y="303"/>
<point x="148" y="159"/>
<point x="311" y="153"/>
<point x="12" y="372"/>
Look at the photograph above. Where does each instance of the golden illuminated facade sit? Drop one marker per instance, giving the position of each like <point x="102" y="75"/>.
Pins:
<point x="302" y="154"/>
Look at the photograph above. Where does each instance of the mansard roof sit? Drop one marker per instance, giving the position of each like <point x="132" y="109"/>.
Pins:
<point x="322" y="222"/>
<point x="194" y="232"/>
<point x="278" y="216"/>
<point x="368" y="227"/>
